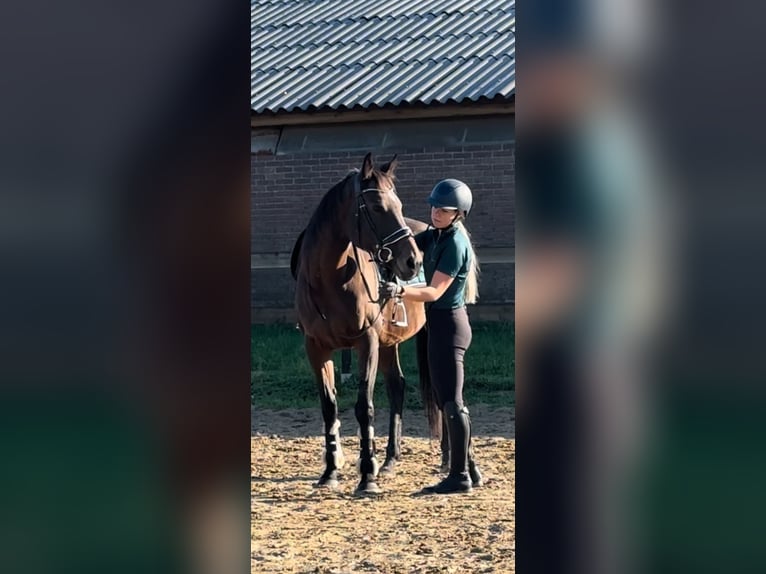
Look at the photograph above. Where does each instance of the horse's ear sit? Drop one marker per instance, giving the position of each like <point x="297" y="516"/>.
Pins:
<point x="390" y="167"/>
<point x="367" y="166"/>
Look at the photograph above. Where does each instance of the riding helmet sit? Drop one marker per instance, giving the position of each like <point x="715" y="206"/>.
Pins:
<point x="452" y="193"/>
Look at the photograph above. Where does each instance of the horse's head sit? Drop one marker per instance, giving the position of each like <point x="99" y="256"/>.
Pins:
<point x="378" y="224"/>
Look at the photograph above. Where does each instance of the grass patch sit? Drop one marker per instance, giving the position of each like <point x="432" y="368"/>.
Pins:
<point x="280" y="376"/>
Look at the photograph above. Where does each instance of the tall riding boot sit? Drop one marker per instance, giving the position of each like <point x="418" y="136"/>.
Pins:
<point x="473" y="468"/>
<point x="458" y="479"/>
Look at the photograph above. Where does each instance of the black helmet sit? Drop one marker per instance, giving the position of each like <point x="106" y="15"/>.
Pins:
<point x="452" y="193"/>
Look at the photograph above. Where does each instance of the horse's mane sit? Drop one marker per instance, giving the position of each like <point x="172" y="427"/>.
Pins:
<point x="324" y="213"/>
<point x="328" y="207"/>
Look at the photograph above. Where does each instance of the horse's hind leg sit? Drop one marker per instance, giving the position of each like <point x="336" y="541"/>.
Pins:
<point x="322" y="365"/>
<point x="436" y="423"/>
<point x="392" y="371"/>
<point x="365" y="414"/>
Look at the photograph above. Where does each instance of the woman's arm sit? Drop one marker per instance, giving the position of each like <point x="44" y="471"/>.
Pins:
<point x="440" y="282"/>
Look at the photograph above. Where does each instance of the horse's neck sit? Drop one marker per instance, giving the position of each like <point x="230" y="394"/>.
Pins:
<point x="332" y="252"/>
<point x="333" y="263"/>
<point x="330" y="248"/>
<point x="328" y="254"/>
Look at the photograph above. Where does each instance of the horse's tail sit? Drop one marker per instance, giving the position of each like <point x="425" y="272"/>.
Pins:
<point x="427" y="392"/>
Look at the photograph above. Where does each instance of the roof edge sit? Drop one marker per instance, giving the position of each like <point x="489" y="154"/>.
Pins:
<point x="495" y="106"/>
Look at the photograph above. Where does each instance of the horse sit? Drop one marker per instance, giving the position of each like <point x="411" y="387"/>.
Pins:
<point x="356" y="235"/>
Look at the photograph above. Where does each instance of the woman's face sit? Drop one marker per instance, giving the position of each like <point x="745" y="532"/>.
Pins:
<point x="441" y="218"/>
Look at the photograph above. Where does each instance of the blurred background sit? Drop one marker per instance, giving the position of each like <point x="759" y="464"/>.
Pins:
<point x="639" y="192"/>
<point x="124" y="234"/>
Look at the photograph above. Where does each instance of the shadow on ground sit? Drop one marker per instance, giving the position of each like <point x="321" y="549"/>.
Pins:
<point x="298" y="423"/>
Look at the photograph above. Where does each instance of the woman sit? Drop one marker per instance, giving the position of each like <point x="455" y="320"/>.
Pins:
<point x="451" y="273"/>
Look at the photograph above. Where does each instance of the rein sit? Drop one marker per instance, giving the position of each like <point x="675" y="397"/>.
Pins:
<point x="369" y="293"/>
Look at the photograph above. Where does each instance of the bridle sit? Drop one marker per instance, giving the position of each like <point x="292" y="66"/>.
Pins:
<point x="382" y="252"/>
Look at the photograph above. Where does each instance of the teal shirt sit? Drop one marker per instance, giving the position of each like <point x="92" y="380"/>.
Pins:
<point x="450" y="253"/>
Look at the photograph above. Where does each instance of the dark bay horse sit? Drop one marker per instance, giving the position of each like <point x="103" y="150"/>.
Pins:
<point x="357" y="227"/>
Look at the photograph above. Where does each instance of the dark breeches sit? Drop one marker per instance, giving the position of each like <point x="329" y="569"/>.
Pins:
<point x="449" y="336"/>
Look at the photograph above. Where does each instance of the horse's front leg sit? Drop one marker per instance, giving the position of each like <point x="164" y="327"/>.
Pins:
<point x="392" y="371"/>
<point x="322" y="365"/>
<point x="365" y="414"/>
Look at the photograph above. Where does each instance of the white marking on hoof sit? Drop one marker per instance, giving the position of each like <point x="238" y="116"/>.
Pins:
<point x="338" y="457"/>
<point x="375" y="466"/>
<point x="372" y="489"/>
<point x="329" y="485"/>
<point x="388" y="467"/>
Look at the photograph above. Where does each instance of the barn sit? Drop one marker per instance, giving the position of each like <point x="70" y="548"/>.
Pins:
<point x="430" y="80"/>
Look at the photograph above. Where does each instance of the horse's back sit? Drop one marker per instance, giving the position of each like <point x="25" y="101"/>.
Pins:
<point x="415" y="224"/>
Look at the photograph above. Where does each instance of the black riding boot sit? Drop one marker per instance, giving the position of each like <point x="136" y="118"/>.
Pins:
<point x="458" y="427"/>
<point x="473" y="468"/>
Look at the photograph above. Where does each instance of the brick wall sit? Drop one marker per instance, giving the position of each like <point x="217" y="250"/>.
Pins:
<point x="287" y="188"/>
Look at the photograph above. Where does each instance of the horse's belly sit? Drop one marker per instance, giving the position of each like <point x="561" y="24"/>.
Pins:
<point x="335" y="327"/>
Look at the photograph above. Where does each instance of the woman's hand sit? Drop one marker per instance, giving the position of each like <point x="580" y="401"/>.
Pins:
<point x="390" y="290"/>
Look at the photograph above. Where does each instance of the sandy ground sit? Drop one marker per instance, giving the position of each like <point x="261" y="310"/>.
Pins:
<point x="297" y="528"/>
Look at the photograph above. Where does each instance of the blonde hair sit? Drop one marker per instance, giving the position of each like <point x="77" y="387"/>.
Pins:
<point x="472" y="277"/>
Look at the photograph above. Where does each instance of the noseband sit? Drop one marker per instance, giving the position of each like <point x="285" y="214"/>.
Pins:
<point x="382" y="252"/>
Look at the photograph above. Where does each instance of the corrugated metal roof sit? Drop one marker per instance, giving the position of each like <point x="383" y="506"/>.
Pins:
<point x="342" y="54"/>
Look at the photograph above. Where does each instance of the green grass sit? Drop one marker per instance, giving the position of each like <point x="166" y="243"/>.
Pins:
<point x="280" y="376"/>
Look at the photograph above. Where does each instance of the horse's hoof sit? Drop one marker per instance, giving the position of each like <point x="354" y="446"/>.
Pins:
<point x="473" y="471"/>
<point x="367" y="489"/>
<point x="330" y="482"/>
<point x="388" y="468"/>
